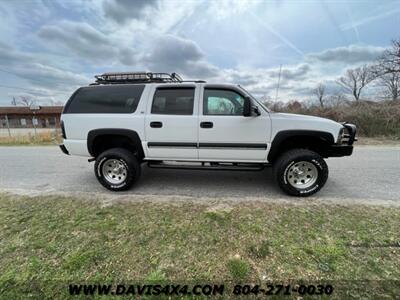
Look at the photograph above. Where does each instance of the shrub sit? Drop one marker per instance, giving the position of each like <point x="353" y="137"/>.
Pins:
<point x="373" y="119"/>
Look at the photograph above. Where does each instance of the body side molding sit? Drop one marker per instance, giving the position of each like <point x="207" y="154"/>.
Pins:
<point x="233" y="145"/>
<point x="208" y="145"/>
<point x="171" y="145"/>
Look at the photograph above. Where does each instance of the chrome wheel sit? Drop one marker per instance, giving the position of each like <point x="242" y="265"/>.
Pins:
<point x="114" y="171"/>
<point x="302" y="175"/>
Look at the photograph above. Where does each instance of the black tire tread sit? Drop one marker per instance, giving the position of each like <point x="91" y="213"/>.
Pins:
<point x="134" y="168"/>
<point x="286" y="158"/>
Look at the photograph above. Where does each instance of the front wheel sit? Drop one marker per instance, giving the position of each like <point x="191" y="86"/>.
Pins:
<point x="300" y="172"/>
<point x="117" y="169"/>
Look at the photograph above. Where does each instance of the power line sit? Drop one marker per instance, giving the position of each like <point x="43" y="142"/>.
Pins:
<point x="18" y="88"/>
<point x="16" y="74"/>
<point x="2" y="70"/>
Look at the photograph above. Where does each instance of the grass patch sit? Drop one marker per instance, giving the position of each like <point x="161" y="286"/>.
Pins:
<point x="53" y="241"/>
<point x="260" y="250"/>
<point x="377" y="141"/>
<point x="238" y="269"/>
<point x="41" y="138"/>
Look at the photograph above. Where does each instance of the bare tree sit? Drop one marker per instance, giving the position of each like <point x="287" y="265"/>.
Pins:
<point x="26" y="101"/>
<point x="319" y="91"/>
<point x="14" y="102"/>
<point x="356" y="79"/>
<point x="388" y="70"/>
<point x="391" y="83"/>
<point x="336" y="99"/>
<point x="389" y="62"/>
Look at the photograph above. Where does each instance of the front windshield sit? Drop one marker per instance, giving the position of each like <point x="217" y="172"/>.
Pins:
<point x="254" y="99"/>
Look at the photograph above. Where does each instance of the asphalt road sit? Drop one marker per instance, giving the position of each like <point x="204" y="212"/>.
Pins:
<point x="371" y="174"/>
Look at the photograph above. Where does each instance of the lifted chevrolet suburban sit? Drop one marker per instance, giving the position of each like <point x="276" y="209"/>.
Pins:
<point x="126" y="119"/>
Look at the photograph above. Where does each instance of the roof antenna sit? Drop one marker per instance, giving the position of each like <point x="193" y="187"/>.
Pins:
<point x="279" y="81"/>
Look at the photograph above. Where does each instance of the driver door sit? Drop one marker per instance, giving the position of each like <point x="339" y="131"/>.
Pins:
<point x="225" y="134"/>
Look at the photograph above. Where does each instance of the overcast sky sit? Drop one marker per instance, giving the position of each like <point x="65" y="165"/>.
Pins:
<point x="49" y="48"/>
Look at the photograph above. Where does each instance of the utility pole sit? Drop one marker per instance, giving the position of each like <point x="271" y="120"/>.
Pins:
<point x="34" y="108"/>
<point x="33" y="123"/>
<point x="8" y="126"/>
<point x="279" y="81"/>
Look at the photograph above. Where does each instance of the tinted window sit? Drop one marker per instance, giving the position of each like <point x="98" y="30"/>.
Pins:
<point x="173" y="101"/>
<point x="222" y="102"/>
<point x="105" y="99"/>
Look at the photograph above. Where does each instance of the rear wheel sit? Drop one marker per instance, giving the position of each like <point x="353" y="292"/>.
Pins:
<point x="301" y="172"/>
<point x="117" y="169"/>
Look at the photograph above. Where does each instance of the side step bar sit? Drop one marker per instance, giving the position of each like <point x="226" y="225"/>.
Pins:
<point x="207" y="166"/>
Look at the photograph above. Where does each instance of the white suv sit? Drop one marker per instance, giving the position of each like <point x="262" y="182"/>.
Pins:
<point x="126" y="119"/>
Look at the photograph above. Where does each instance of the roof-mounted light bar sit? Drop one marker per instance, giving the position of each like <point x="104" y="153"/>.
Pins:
<point x="136" y="77"/>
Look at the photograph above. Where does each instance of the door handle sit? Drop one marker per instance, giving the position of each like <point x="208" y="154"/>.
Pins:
<point x="156" y="124"/>
<point x="206" y="124"/>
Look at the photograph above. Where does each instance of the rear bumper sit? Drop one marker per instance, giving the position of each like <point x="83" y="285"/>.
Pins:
<point x="63" y="149"/>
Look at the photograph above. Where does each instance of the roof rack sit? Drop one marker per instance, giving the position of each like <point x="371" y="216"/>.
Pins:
<point x="136" y="77"/>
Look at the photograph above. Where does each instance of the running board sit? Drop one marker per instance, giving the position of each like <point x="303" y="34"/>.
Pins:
<point x="208" y="166"/>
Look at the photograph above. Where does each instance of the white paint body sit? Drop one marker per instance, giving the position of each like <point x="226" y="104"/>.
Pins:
<point x="186" y="129"/>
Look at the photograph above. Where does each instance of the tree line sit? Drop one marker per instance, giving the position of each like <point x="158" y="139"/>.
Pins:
<point x="385" y="73"/>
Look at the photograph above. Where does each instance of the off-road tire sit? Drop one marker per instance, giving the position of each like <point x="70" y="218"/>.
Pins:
<point x="126" y="160"/>
<point x="285" y="163"/>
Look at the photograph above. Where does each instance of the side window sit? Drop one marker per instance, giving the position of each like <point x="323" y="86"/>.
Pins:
<point x="173" y="101"/>
<point x="222" y="102"/>
<point x="105" y="99"/>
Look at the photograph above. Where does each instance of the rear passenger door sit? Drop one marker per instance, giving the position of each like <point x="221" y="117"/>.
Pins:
<point x="171" y="122"/>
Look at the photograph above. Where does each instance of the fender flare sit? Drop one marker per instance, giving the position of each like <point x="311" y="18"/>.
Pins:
<point x="283" y="135"/>
<point x="132" y="135"/>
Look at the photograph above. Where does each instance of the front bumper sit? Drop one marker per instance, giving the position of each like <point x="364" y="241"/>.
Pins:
<point x="63" y="149"/>
<point x="339" y="150"/>
<point x="350" y="133"/>
<point x="345" y="147"/>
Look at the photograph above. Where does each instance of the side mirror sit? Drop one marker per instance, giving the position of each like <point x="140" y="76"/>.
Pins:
<point x="247" y="107"/>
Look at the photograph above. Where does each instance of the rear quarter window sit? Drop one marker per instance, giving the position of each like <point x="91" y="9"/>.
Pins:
<point x="105" y="99"/>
